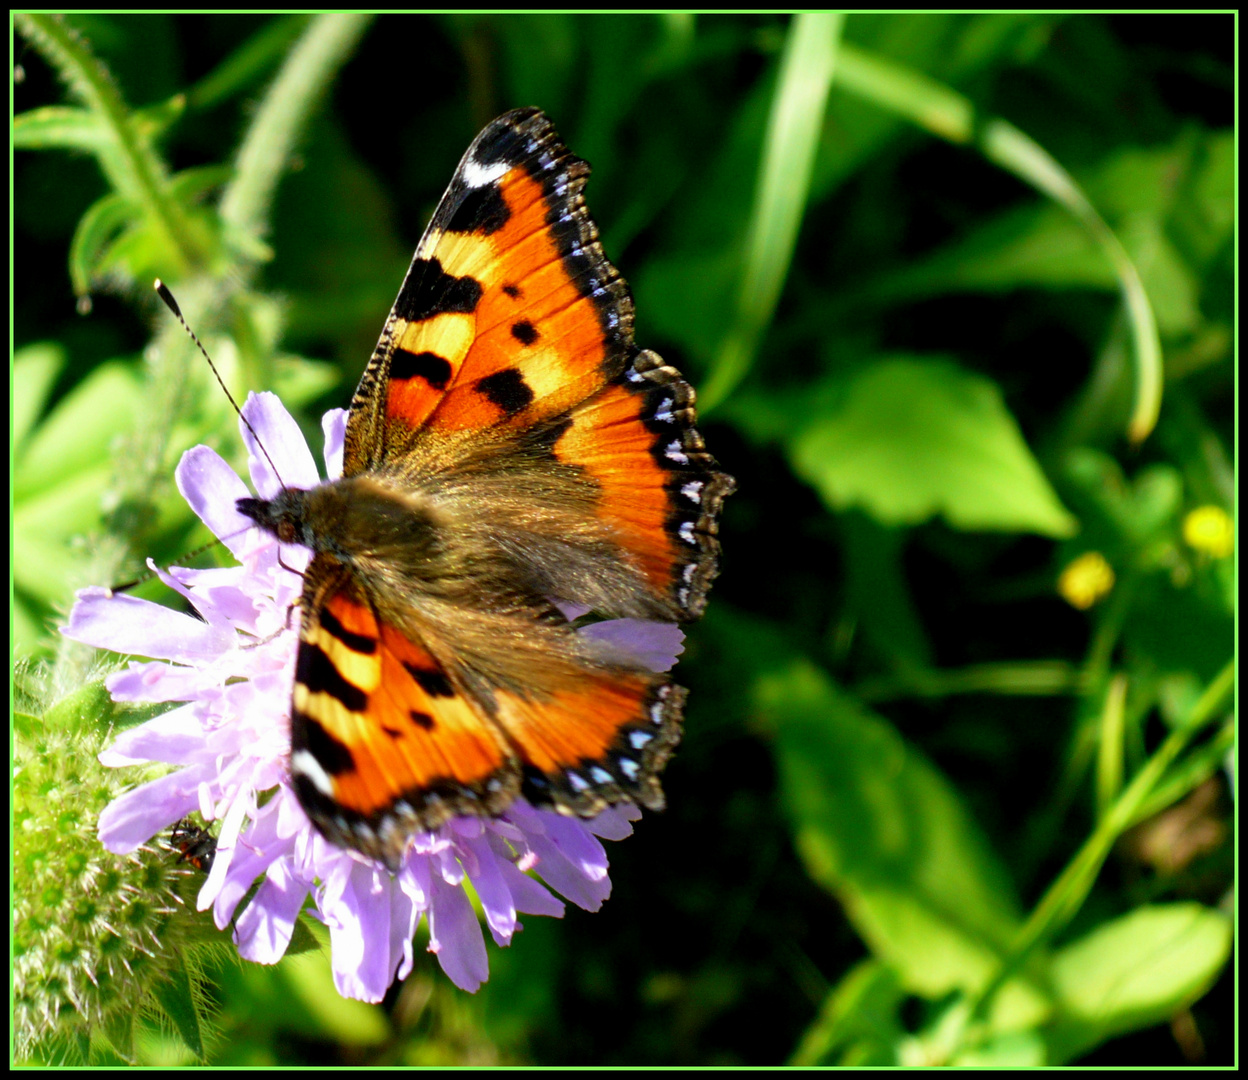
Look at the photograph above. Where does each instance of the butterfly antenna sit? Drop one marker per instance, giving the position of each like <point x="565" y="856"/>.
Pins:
<point x="162" y="290"/>
<point x="126" y="586"/>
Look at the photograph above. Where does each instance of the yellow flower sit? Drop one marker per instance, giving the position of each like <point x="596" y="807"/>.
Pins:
<point x="1210" y="529"/>
<point x="1086" y="580"/>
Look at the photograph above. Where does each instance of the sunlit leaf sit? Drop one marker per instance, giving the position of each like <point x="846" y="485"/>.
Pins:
<point x="917" y="438"/>
<point x="35" y="370"/>
<point x="1135" y="971"/>
<point x="882" y="829"/>
<point x="58" y="127"/>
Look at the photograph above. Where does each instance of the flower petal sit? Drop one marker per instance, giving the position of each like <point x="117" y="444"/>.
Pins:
<point x="211" y="487"/>
<point x="282" y="442"/>
<point x="652" y="644"/>
<point x="334" y="428"/>
<point x="267" y="924"/>
<point x="126" y="624"/>
<point x="132" y="819"/>
<point x="455" y="936"/>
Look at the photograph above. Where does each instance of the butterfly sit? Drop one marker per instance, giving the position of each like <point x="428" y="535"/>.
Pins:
<point x="511" y="460"/>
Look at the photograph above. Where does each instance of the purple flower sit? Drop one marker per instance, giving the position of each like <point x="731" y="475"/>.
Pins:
<point x="233" y="668"/>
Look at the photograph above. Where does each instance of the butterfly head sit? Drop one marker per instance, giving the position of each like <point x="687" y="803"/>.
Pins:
<point x="285" y="517"/>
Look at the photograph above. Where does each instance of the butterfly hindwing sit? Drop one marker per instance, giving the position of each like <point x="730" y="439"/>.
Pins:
<point x="386" y="739"/>
<point x="382" y="743"/>
<point x="658" y="487"/>
<point x="602" y="743"/>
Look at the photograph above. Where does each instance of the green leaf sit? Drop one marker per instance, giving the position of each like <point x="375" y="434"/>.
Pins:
<point x="681" y="293"/>
<point x="1036" y="246"/>
<point x="190" y="185"/>
<point x="793" y="134"/>
<point x="916" y="438"/>
<point x="83" y="707"/>
<point x="1120" y="515"/>
<point x="35" y="371"/>
<point x="859" y="1019"/>
<point x="44" y="525"/>
<point x="1133" y="972"/>
<point x="353" y="1023"/>
<point x="177" y="998"/>
<point x="946" y="113"/>
<point x="97" y="229"/>
<point x="152" y="122"/>
<point x="539" y="52"/>
<point x="1011" y="1049"/>
<point x="879" y="593"/>
<point x="79" y="432"/>
<point x="60" y="127"/>
<point x="1210" y="218"/>
<point x="119" y="1027"/>
<point x="137" y="254"/>
<point x="881" y="828"/>
<point x="1170" y="283"/>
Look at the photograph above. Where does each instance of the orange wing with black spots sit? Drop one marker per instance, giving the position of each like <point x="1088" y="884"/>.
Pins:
<point x="388" y="740"/>
<point x="382" y="743"/>
<point x="509" y="452"/>
<point x="602" y="743"/>
<point x="509" y="311"/>
<point x="660" y="490"/>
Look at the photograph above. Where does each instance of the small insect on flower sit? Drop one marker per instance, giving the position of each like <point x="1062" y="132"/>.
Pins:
<point x="193" y="844"/>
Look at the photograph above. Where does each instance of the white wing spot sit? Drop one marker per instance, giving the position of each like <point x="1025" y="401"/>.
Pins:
<point x="629" y="768"/>
<point x="477" y="175"/>
<point x="601" y="776"/>
<point x="686" y="532"/>
<point x="576" y="781"/>
<point x="304" y="764"/>
<point x="638" y="739"/>
<point x="692" y="490"/>
<point x="674" y="453"/>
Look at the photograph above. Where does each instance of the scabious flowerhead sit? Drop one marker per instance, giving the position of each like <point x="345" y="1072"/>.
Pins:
<point x="232" y="668"/>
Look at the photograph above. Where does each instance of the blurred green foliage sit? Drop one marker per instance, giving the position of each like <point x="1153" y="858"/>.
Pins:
<point x="959" y="291"/>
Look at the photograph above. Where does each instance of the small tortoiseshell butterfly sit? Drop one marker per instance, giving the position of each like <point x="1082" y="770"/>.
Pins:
<point x="510" y="456"/>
